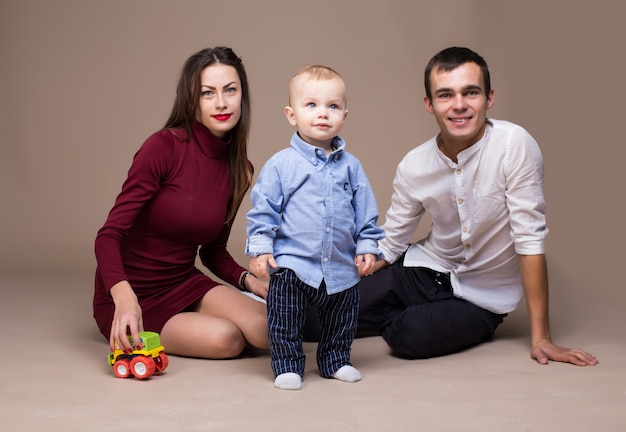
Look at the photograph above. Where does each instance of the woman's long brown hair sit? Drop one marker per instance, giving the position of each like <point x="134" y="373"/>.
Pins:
<point x="185" y="108"/>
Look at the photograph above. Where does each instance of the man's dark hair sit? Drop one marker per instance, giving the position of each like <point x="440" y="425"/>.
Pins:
<point x="450" y="59"/>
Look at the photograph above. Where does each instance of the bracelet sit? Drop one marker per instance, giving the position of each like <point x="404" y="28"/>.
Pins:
<point x="242" y="279"/>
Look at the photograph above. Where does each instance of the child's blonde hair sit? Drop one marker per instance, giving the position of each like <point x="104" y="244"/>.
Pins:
<point x="314" y="72"/>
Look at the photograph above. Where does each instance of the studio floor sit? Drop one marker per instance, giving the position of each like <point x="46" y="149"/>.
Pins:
<point x="55" y="377"/>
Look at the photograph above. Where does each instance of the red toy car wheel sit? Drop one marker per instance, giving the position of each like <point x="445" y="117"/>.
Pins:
<point x="142" y="367"/>
<point x="121" y="368"/>
<point x="161" y="362"/>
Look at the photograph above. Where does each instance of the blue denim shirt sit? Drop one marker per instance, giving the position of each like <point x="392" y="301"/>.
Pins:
<point x="314" y="214"/>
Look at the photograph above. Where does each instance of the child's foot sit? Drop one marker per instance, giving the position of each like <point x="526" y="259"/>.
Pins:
<point x="347" y="373"/>
<point x="288" y="381"/>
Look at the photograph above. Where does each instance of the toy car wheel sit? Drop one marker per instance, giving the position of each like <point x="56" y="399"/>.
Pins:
<point x="121" y="368"/>
<point x="161" y="362"/>
<point x="142" y="367"/>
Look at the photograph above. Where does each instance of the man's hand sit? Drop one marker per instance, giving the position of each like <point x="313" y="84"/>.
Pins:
<point x="545" y="351"/>
<point x="378" y="265"/>
<point x="365" y="263"/>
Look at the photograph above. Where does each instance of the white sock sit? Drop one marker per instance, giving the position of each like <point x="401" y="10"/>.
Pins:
<point x="347" y="373"/>
<point x="288" y="381"/>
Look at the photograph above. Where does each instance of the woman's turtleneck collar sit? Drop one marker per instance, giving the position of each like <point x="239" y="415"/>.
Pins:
<point x="210" y="145"/>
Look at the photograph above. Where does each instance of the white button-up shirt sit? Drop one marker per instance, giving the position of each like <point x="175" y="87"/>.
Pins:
<point x="486" y="208"/>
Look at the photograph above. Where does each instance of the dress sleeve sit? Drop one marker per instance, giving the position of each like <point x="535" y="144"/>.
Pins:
<point x="151" y="164"/>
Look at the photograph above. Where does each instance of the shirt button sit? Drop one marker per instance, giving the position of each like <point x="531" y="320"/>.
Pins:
<point x="460" y="200"/>
<point x="458" y="171"/>
<point x="467" y="246"/>
<point x="465" y="229"/>
<point x="327" y="229"/>
<point x="325" y="260"/>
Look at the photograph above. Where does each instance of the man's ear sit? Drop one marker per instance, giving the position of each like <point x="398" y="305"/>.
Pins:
<point x="491" y="98"/>
<point x="428" y="104"/>
<point x="291" y="116"/>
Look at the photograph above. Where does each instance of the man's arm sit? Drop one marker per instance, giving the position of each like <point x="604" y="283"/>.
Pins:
<point x="534" y="271"/>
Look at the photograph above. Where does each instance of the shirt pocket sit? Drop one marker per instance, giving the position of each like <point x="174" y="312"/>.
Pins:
<point x="344" y="214"/>
<point x="489" y="204"/>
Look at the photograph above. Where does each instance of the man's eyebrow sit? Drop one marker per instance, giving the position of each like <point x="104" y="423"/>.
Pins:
<point x="464" y="89"/>
<point x="473" y="87"/>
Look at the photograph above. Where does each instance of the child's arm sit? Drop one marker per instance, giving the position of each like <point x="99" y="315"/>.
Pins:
<point x="368" y="232"/>
<point x="264" y="220"/>
<point x="259" y="265"/>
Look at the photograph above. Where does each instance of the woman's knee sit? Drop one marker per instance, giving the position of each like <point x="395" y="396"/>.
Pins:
<point x="214" y="340"/>
<point x="229" y="342"/>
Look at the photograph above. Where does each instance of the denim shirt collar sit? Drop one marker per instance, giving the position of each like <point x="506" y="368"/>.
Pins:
<point x="317" y="155"/>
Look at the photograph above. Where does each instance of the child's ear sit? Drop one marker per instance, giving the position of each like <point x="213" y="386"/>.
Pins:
<point x="291" y="116"/>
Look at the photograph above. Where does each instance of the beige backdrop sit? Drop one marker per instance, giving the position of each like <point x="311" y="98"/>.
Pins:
<point x="83" y="83"/>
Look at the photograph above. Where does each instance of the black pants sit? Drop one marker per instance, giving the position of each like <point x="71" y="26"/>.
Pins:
<point x="416" y="313"/>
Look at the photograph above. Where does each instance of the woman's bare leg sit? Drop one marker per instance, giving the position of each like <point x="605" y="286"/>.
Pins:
<point x="224" y="323"/>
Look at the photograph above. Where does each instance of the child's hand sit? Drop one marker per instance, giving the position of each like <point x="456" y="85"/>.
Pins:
<point x="365" y="263"/>
<point x="260" y="265"/>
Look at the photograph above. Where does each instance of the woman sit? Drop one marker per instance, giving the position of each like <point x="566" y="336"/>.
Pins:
<point x="183" y="191"/>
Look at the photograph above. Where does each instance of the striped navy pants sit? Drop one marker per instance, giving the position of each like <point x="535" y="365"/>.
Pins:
<point x="287" y="303"/>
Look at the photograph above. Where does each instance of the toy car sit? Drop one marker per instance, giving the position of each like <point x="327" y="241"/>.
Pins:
<point x="143" y="362"/>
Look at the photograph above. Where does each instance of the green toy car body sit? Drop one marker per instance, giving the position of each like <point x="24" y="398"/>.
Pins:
<point x="143" y="362"/>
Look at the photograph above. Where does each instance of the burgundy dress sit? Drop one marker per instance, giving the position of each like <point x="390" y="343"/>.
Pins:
<point x="173" y="201"/>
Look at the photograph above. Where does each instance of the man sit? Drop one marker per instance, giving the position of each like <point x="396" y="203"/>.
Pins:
<point x="481" y="180"/>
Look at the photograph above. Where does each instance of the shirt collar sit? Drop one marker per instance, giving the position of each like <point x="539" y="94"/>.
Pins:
<point x="315" y="154"/>
<point x="476" y="147"/>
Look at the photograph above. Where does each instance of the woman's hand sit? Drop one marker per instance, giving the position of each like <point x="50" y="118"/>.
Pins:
<point x="127" y="317"/>
<point x="257" y="286"/>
